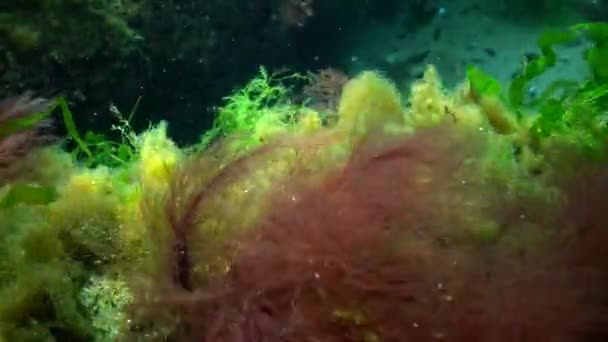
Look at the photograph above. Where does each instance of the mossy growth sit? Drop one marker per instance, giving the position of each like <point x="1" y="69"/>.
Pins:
<point x="82" y="230"/>
<point x="39" y="283"/>
<point x="71" y="236"/>
<point x="107" y="300"/>
<point x="38" y="37"/>
<point x="476" y="205"/>
<point x="71" y="29"/>
<point x="257" y="112"/>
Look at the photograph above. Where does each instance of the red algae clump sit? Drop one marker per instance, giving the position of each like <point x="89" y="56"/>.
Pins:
<point x="390" y="247"/>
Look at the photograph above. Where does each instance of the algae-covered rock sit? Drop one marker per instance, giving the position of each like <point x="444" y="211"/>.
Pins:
<point x="64" y="39"/>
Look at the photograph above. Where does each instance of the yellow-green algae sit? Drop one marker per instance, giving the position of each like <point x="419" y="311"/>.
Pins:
<point x="67" y="262"/>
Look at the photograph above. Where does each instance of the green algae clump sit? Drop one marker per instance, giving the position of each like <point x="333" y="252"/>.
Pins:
<point x="452" y="208"/>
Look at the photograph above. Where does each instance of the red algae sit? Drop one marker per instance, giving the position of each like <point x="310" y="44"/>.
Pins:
<point x="18" y="144"/>
<point x="382" y="249"/>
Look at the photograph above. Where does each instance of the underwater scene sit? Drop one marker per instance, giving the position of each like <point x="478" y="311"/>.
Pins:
<point x="304" y="170"/>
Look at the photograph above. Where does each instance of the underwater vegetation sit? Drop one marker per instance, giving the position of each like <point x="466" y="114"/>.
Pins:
<point x="88" y="49"/>
<point x="434" y="214"/>
<point x="22" y="124"/>
<point x="46" y="41"/>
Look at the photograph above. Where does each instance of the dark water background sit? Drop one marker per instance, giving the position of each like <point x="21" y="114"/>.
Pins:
<point x="183" y="56"/>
